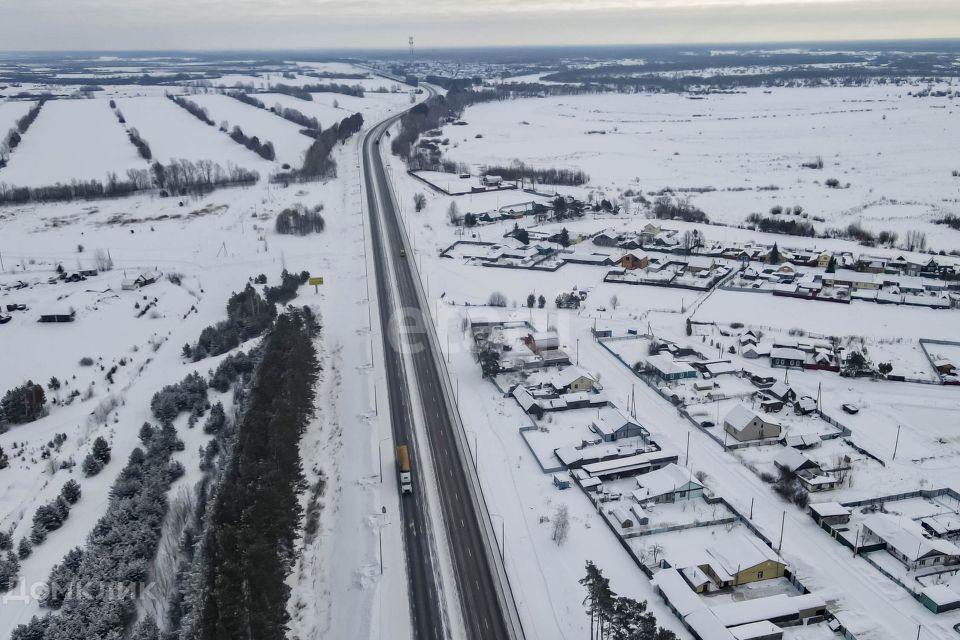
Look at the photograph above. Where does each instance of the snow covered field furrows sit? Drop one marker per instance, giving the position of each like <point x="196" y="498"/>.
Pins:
<point x="289" y="144"/>
<point x="172" y="133"/>
<point x="72" y="140"/>
<point x="740" y="143"/>
<point x="215" y="244"/>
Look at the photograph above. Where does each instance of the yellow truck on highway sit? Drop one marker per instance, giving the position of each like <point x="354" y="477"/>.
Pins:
<point x="403" y="468"/>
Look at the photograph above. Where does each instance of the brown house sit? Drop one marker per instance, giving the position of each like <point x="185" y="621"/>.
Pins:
<point x="635" y="261"/>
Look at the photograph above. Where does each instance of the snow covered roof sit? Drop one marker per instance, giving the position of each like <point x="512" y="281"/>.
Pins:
<point x="720" y="368"/>
<point x="563" y="378"/>
<point x="739" y="552"/>
<point x="829" y="509"/>
<point x="677" y="592"/>
<point x="906" y="537"/>
<point x="623" y="465"/>
<point x="780" y="390"/>
<point x="786" y="353"/>
<point x="741" y="415"/>
<point x="941" y="595"/>
<point x="770" y="608"/>
<point x="667" y="365"/>
<point x="802" y="440"/>
<point x="666" y="480"/>
<point x="755" y="630"/>
<point x="791" y="459"/>
<point x="707" y="626"/>
<point x="610" y="420"/>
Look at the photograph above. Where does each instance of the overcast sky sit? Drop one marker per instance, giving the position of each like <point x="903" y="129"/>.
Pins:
<point x="320" y="24"/>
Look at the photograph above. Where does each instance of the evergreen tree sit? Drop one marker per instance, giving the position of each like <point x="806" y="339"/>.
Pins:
<point x="71" y="491"/>
<point x="774" y="257"/>
<point x="4" y="460"/>
<point x="101" y="451"/>
<point x="9" y="568"/>
<point x="23" y="404"/>
<point x="91" y="466"/>
<point x="832" y="265"/>
<point x="564" y="237"/>
<point x="146" y="630"/>
<point x="541" y="302"/>
<point x="36" y="629"/>
<point x="531" y="300"/>
<point x="24" y="549"/>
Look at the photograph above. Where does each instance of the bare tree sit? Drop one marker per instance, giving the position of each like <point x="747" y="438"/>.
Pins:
<point x="102" y="260"/>
<point x="497" y="299"/>
<point x="453" y="213"/>
<point x="561" y="524"/>
<point x="419" y="202"/>
<point x="614" y="302"/>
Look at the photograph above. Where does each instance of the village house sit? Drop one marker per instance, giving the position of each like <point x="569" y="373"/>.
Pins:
<point x="633" y="260"/>
<point x="787" y="357"/>
<point x="807" y="471"/>
<point x="903" y="539"/>
<point x="668" y="369"/>
<point x="745" y="425"/>
<point x="670" y="483"/>
<point x="612" y="424"/>
<point x="739" y="559"/>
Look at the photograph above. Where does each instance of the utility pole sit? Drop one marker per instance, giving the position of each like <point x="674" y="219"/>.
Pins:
<point x="896" y="444"/>
<point x="783" y="521"/>
<point x="686" y="457"/>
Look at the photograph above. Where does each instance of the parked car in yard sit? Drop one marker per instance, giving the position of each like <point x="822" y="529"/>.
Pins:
<point x="851" y="408"/>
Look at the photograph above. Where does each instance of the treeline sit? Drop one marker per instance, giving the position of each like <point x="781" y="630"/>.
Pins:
<point x="15" y="134"/>
<point x="263" y="149"/>
<point x="95" y="589"/>
<point x="303" y="92"/>
<point x="142" y="147"/>
<point x="179" y="177"/>
<point x="552" y="176"/>
<point x="193" y="108"/>
<point x="317" y="162"/>
<point x="665" y="208"/>
<point x="184" y="176"/>
<point x="245" y="98"/>
<point x="781" y="226"/>
<point x="253" y="524"/>
<point x="949" y="220"/>
<point x="618" y="617"/>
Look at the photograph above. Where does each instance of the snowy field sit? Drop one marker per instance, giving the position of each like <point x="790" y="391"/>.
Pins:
<point x="72" y="140"/>
<point x="288" y="143"/>
<point x="10" y="112"/>
<point x="737" y="143"/>
<point x="172" y="133"/>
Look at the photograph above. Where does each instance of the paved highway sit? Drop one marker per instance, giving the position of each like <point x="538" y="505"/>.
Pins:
<point x="487" y="607"/>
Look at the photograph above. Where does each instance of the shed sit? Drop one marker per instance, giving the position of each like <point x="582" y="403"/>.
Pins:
<point x="761" y="630"/>
<point x="560" y="482"/>
<point x="829" y="513"/>
<point x="940" y="598"/>
<point x="58" y="316"/>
